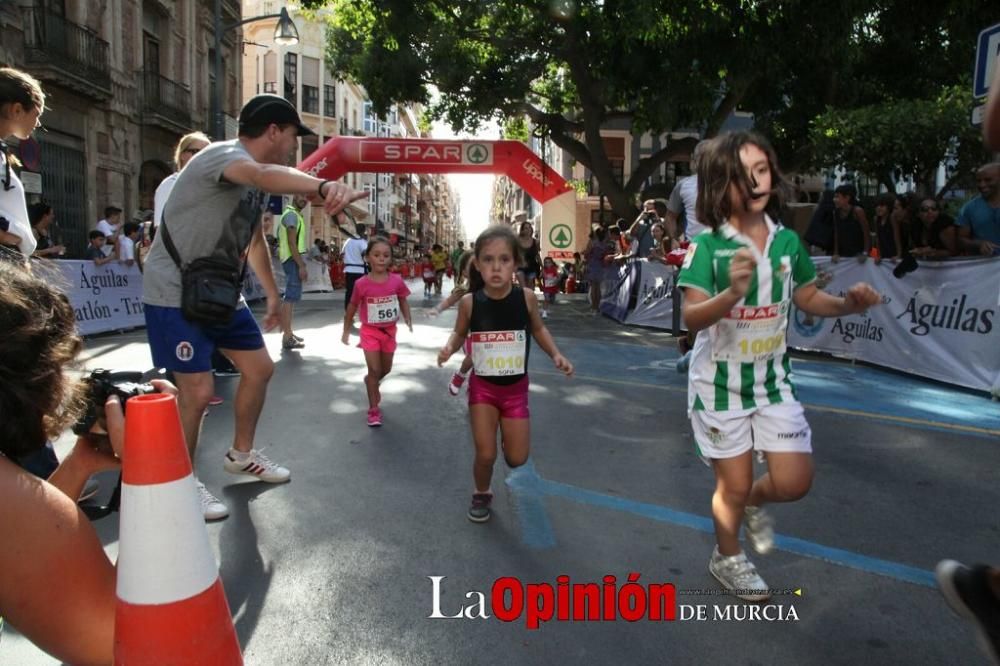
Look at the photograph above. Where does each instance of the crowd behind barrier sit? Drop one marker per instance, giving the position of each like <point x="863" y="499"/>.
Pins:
<point x="939" y="321"/>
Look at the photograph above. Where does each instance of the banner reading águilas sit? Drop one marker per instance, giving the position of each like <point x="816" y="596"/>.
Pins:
<point x="938" y="321"/>
<point x="104" y="298"/>
<point x="654" y="304"/>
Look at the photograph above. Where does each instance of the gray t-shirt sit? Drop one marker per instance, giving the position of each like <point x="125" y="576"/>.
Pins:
<point x="642" y="238"/>
<point x="684" y="199"/>
<point x="206" y="216"/>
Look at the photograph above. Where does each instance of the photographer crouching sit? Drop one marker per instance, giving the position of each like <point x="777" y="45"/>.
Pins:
<point x="57" y="585"/>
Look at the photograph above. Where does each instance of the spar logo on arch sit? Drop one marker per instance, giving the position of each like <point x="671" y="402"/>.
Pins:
<point x="380" y="151"/>
<point x="478" y="153"/>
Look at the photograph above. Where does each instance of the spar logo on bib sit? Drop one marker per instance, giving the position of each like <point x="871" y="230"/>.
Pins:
<point x="505" y="336"/>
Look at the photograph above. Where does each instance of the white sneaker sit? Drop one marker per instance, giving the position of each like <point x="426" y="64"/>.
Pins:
<point x="211" y="507"/>
<point x="545" y="314"/>
<point x="738" y="575"/>
<point x="257" y="465"/>
<point x="759" y="529"/>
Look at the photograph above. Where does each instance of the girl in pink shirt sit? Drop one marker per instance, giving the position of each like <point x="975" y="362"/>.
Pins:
<point x="550" y="284"/>
<point x="381" y="297"/>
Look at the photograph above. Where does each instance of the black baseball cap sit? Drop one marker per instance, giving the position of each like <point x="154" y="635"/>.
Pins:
<point x="267" y="109"/>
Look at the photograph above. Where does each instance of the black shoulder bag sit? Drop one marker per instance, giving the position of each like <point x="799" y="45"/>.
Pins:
<point x="210" y="287"/>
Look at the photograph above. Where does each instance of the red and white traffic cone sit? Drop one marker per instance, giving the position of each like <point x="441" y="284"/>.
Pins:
<point x="171" y="605"/>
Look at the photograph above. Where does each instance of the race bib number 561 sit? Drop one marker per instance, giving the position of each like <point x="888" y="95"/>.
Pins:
<point x="382" y="309"/>
<point x="499" y="353"/>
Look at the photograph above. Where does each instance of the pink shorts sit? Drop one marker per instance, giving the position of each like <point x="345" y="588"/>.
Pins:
<point x="511" y="400"/>
<point x="377" y="338"/>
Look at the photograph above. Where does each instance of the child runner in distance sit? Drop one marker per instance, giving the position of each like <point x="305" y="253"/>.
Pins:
<point x="739" y="280"/>
<point x="462" y="279"/>
<point x="428" y="273"/>
<point x="550" y="284"/>
<point x="381" y="297"/>
<point x="500" y="320"/>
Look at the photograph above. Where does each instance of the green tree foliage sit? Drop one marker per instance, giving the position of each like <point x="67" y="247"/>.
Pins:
<point x="574" y="67"/>
<point x="902" y="138"/>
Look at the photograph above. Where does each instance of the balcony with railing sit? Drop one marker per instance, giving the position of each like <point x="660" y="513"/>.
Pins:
<point x="165" y="102"/>
<point x="65" y="53"/>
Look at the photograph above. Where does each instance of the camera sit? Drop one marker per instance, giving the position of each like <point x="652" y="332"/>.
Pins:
<point x="101" y="385"/>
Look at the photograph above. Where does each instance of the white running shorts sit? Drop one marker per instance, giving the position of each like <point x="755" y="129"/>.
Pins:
<point x="780" y="428"/>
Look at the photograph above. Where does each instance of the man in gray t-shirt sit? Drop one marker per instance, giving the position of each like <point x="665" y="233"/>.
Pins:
<point x="684" y="199"/>
<point x="214" y="210"/>
<point x="206" y="216"/>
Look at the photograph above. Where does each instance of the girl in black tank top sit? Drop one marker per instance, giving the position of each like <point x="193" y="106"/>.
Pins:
<point x="500" y="320"/>
<point x="509" y="313"/>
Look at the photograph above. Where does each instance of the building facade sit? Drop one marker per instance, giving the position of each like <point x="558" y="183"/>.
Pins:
<point x="412" y="209"/>
<point x="124" y="80"/>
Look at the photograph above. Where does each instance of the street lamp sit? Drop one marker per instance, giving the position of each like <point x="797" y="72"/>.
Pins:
<point x="285" y="34"/>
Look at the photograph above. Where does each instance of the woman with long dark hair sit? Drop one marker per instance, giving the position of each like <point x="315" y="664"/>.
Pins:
<point x="885" y="229"/>
<point x="531" y="259"/>
<point x="934" y="235"/>
<point x="57" y="585"/>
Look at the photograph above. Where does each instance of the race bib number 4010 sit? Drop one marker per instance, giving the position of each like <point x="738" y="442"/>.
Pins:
<point x="499" y="353"/>
<point x="382" y="309"/>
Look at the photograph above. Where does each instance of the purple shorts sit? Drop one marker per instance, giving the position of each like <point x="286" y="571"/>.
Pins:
<point x="377" y="338"/>
<point x="510" y="400"/>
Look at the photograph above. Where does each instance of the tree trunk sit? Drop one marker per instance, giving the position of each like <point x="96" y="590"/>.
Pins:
<point x="885" y="180"/>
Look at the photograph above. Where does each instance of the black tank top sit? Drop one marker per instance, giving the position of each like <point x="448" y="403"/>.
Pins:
<point x="44" y="242"/>
<point x="507" y="314"/>
<point x="886" y="238"/>
<point x="850" y="236"/>
<point x="531" y="264"/>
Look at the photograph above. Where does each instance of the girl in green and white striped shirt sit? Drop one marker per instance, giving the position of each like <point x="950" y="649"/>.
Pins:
<point x="740" y="280"/>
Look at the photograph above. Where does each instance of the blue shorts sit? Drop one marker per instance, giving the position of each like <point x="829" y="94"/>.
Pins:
<point x="181" y="346"/>
<point x="293" y="285"/>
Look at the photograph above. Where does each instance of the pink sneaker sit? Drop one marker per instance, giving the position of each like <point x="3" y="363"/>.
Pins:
<point x="374" y="417"/>
<point x="215" y="401"/>
<point x="455" y="385"/>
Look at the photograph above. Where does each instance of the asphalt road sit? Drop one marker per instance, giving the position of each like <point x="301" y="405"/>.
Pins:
<point x="336" y="567"/>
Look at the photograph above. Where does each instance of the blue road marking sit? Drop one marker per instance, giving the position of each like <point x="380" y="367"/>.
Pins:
<point x="536" y="530"/>
<point x="530" y="489"/>
<point x="831" y="385"/>
<point x="855" y="560"/>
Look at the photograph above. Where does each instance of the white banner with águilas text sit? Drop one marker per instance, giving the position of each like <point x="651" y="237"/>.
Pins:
<point x="104" y="298"/>
<point x="940" y="321"/>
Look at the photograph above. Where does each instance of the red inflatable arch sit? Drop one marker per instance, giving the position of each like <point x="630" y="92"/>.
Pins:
<point x="343" y="154"/>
